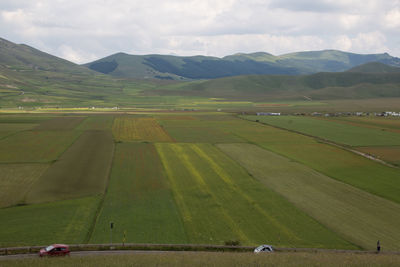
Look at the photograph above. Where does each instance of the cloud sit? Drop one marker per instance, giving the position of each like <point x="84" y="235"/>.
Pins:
<point x="85" y="30"/>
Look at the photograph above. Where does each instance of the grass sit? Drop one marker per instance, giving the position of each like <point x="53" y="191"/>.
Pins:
<point x="35" y="146"/>
<point x="332" y="131"/>
<point x="219" y="202"/>
<point x="139" y="200"/>
<point x="42" y="224"/>
<point x="81" y="171"/>
<point x="214" y="259"/>
<point x="138" y="129"/>
<point x="354" y="214"/>
<point x="16" y="180"/>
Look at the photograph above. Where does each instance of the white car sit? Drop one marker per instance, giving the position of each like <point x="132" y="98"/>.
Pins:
<point x="264" y="248"/>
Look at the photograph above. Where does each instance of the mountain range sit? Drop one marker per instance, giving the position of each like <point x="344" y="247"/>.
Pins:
<point x="29" y="77"/>
<point x="202" y="67"/>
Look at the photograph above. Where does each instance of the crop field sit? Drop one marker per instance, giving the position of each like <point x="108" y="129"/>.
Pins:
<point x="344" y="166"/>
<point x="60" y="123"/>
<point x="139" y="200"/>
<point x="210" y="188"/>
<point x="198" y="178"/>
<point x="337" y="132"/>
<point x="35" y="146"/>
<point x="81" y="171"/>
<point x="201" y="130"/>
<point x="129" y="128"/>
<point x="42" y="224"/>
<point x="382" y="123"/>
<point x="16" y="180"/>
<point x="97" y="122"/>
<point x="389" y="154"/>
<point x="328" y="201"/>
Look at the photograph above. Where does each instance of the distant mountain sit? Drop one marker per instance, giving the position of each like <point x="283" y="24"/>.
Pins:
<point x="375" y="67"/>
<point x="202" y="67"/>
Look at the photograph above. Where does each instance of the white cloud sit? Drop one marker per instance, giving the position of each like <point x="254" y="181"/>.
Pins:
<point x="84" y="30"/>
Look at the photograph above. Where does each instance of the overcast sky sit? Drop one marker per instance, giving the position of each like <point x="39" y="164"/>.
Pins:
<point x="85" y="30"/>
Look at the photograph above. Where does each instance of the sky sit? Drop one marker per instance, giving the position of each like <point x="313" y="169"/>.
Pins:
<point x="85" y="30"/>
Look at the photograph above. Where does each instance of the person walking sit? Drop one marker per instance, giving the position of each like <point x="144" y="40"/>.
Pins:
<point x="378" y="246"/>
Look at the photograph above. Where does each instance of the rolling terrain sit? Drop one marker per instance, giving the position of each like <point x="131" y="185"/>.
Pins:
<point x="32" y="79"/>
<point x="203" y="67"/>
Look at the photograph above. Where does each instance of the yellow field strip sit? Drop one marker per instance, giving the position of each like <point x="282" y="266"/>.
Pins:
<point x="204" y="187"/>
<point x="226" y="178"/>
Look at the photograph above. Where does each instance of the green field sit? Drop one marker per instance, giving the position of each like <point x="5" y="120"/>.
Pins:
<point x="201" y="129"/>
<point x="81" y="171"/>
<point x="97" y="122"/>
<point x="359" y="217"/>
<point x="139" y="200"/>
<point x="16" y="180"/>
<point x="35" y="146"/>
<point x="197" y="177"/>
<point x="337" y="132"/>
<point x="210" y="188"/>
<point x="41" y="224"/>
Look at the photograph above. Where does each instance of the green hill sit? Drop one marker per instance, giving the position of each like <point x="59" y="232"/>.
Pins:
<point x="375" y="67"/>
<point x="341" y="85"/>
<point x="29" y="77"/>
<point x="201" y="67"/>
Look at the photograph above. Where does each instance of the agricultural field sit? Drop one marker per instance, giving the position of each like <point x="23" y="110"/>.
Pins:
<point x="389" y="154"/>
<point x="131" y="128"/>
<point x="139" y="200"/>
<point x="97" y="122"/>
<point x="41" y="224"/>
<point x="328" y="201"/>
<point x="382" y="123"/>
<point x="60" y="123"/>
<point x="333" y="131"/>
<point x="219" y="202"/>
<point x="201" y="129"/>
<point x="35" y="146"/>
<point x="196" y="177"/>
<point x="81" y="171"/>
<point x="16" y="181"/>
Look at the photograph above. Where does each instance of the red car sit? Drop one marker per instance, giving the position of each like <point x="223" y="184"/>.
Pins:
<point x="55" y="250"/>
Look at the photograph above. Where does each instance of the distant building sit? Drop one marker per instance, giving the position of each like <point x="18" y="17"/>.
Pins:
<point x="268" y="113"/>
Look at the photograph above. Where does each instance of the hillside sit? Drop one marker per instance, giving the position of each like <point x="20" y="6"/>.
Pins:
<point x="375" y="67"/>
<point x="29" y="77"/>
<point x="202" y="67"/>
<point x="322" y="86"/>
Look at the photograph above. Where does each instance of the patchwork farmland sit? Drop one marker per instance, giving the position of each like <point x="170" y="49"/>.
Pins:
<point x="203" y="178"/>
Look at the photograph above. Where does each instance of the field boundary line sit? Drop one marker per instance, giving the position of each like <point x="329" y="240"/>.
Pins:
<point x="328" y="142"/>
<point x="102" y="199"/>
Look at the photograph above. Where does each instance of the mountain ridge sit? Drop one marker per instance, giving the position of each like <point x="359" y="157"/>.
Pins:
<point x="204" y="67"/>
